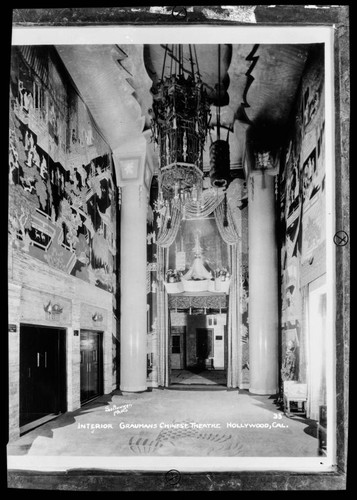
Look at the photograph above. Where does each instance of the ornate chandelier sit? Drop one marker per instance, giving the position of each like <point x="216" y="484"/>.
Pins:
<point x="180" y="118"/>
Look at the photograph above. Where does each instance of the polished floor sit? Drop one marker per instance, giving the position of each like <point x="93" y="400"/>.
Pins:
<point x="202" y="423"/>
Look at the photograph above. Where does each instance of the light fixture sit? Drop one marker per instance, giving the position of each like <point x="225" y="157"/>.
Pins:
<point x="97" y="317"/>
<point x="219" y="149"/>
<point x="52" y="310"/>
<point x="180" y="118"/>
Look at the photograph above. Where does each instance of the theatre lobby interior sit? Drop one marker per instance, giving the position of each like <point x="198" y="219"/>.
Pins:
<point x="167" y="269"/>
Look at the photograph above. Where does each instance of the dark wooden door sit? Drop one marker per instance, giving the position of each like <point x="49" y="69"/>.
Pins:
<point x="204" y="345"/>
<point x="91" y="365"/>
<point x="42" y="372"/>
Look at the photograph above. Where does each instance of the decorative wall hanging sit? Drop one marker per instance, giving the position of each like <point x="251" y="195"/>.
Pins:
<point x="62" y="207"/>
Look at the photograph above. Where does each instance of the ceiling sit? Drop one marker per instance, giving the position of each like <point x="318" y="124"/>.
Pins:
<point x="115" y="81"/>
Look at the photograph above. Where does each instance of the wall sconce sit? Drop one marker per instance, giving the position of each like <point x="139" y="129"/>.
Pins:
<point x="52" y="311"/>
<point x="97" y="317"/>
<point x="48" y="308"/>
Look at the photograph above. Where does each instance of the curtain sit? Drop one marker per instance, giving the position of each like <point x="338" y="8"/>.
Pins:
<point x="205" y="207"/>
<point x="230" y="234"/>
<point x="162" y="319"/>
<point x="234" y="333"/>
<point x="166" y="234"/>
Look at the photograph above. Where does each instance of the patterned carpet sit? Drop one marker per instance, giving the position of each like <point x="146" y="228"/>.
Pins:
<point x="167" y="423"/>
<point x="182" y="440"/>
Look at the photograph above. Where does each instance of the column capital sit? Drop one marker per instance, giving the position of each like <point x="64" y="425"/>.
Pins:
<point x="135" y="162"/>
<point x="129" y="162"/>
<point x="262" y="163"/>
<point x="261" y="157"/>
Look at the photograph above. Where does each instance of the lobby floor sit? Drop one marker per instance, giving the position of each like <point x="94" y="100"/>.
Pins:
<point x="163" y="423"/>
<point x="199" y="378"/>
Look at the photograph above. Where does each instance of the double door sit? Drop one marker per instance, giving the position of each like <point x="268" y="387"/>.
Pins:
<point x="91" y="365"/>
<point x="42" y="373"/>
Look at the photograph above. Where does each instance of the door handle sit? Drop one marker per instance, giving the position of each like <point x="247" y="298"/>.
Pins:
<point x="45" y="359"/>
<point x="38" y="359"/>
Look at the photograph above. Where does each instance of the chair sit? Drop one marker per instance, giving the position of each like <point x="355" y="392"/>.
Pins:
<point x="295" y="393"/>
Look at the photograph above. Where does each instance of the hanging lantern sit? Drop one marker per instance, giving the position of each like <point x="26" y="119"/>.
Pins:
<point x="220" y="164"/>
<point x="179" y="125"/>
<point x="219" y="150"/>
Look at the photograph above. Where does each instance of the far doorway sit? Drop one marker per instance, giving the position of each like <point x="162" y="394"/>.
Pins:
<point x="198" y="351"/>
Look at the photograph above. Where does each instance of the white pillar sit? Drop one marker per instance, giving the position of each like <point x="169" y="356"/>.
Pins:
<point x="263" y="285"/>
<point x="133" y="289"/>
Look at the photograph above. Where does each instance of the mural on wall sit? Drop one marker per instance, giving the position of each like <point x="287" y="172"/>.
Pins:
<point x="302" y="212"/>
<point x="152" y="228"/>
<point x="244" y="326"/>
<point x="61" y="194"/>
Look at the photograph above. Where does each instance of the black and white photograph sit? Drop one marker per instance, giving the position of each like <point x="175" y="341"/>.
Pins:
<point x="177" y="264"/>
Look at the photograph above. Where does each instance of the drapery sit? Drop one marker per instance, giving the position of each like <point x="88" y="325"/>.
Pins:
<point x="167" y="235"/>
<point x="231" y="235"/>
<point x="162" y="319"/>
<point x="234" y="333"/>
<point x="207" y="204"/>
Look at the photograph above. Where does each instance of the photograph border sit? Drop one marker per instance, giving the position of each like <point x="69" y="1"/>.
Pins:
<point x="279" y="15"/>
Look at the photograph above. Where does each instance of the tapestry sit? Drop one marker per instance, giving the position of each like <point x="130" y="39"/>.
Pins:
<point x="302" y="212"/>
<point x="62" y="198"/>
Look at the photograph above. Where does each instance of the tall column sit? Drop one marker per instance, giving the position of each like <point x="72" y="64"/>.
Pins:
<point x="263" y="287"/>
<point x="133" y="288"/>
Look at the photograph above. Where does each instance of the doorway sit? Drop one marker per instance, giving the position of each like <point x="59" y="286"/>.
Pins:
<point x="197" y="351"/>
<point x="91" y="365"/>
<point x="42" y="375"/>
<point x="178" y="347"/>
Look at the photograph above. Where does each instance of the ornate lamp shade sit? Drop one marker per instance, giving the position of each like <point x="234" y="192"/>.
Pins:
<point x="180" y="113"/>
<point x="180" y="116"/>
<point x="184" y="89"/>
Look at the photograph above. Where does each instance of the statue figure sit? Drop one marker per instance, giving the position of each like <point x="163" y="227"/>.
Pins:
<point x="289" y="363"/>
<point x="197" y="271"/>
